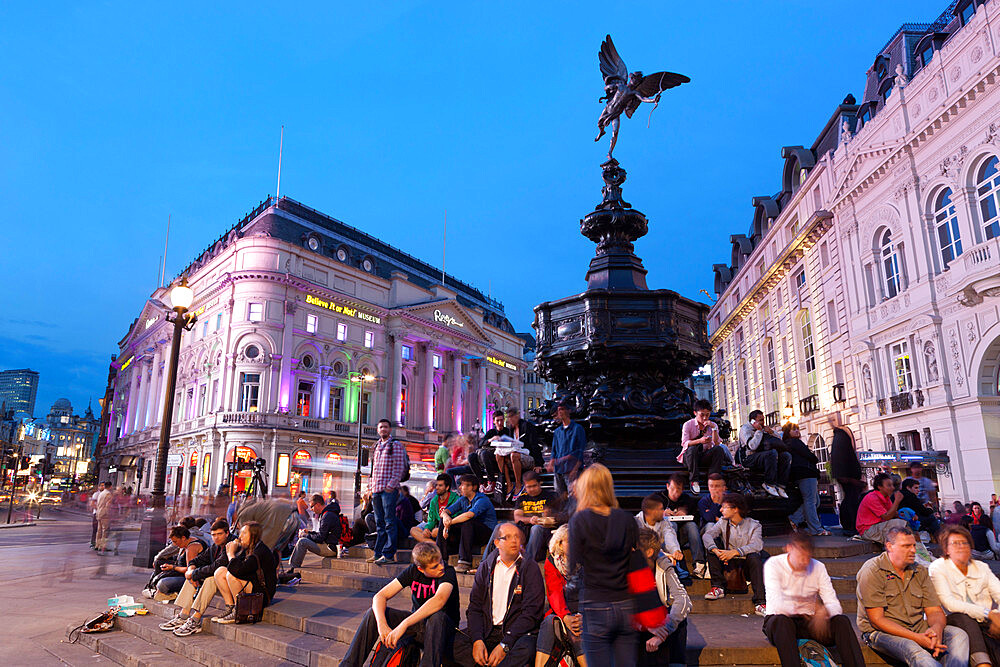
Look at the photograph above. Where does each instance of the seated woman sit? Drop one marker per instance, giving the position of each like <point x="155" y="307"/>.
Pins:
<point x="968" y="590"/>
<point x="560" y="621"/>
<point x="171" y="578"/>
<point x="666" y="645"/>
<point x="251" y="568"/>
<point x="981" y="527"/>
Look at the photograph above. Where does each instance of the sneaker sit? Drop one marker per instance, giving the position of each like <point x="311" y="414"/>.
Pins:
<point x="771" y="490"/>
<point x="782" y="492"/>
<point x="857" y="538"/>
<point x="701" y="570"/>
<point x="371" y="559"/>
<point x="229" y="613"/>
<point x="760" y="610"/>
<point x="463" y="568"/>
<point x="341" y="550"/>
<point x="696" y="487"/>
<point x="174" y="623"/>
<point x="488" y="488"/>
<point x="384" y="560"/>
<point x="190" y="627"/>
<point x="294" y="581"/>
<point x="148" y="593"/>
<point x="715" y="594"/>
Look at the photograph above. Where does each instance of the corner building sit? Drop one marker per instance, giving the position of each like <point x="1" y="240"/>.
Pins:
<point x="867" y="291"/>
<point x="292" y="304"/>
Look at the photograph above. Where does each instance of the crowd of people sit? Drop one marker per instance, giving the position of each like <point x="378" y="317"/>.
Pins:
<point x="573" y="575"/>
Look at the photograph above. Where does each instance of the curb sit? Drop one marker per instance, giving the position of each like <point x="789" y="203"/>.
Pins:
<point x="17" y="525"/>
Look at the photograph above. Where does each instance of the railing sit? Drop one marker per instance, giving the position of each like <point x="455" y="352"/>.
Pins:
<point x="255" y="418"/>
<point x="772" y="418"/>
<point x="839" y="395"/>
<point x="881" y="407"/>
<point x="809" y="404"/>
<point x="901" y="402"/>
<point x="977" y="256"/>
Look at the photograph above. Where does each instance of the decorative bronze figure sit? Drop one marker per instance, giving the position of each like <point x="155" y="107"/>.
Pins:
<point x="624" y="92"/>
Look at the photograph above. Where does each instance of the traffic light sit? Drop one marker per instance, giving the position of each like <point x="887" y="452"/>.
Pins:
<point x="47" y="466"/>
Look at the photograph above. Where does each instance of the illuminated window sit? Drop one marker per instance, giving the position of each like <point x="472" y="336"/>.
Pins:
<point x="336" y="402"/>
<point x="437" y="361"/>
<point x="311" y="323"/>
<point x="256" y="312"/>
<point x="407" y="352"/>
<point x="249" y="392"/>
<point x="303" y="399"/>
<point x="369" y="339"/>
<point x="341" y="331"/>
<point x="901" y="367"/>
<point x="402" y="402"/>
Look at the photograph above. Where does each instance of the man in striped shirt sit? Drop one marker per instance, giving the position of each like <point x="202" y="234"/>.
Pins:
<point x="389" y="462"/>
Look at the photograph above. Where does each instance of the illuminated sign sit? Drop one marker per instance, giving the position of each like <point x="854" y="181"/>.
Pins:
<point x="282" y="475"/>
<point x="446" y="319"/>
<point x="200" y="311"/>
<point x="334" y="457"/>
<point x="301" y="456"/>
<point x="501" y="363"/>
<point x="151" y="321"/>
<point x="194" y="460"/>
<point x="343" y="310"/>
<point x="128" y="362"/>
<point x="206" y="468"/>
<point x="345" y="445"/>
<point x="244" y="454"/>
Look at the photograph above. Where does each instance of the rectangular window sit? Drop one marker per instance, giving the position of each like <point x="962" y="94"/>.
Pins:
<point x="218" y="321"/>
<point x="366" y="399"/>
<point x="369" y="339"/>
<point x="761" y="268"/>
<point x="407" y="352"/>
<point x="739" y="338"/>
<point x="784" y="350"/>
<point x="214" y="405"/>
<point x="901" y="367"/>
<point x="746" y="385"/>
<point x="336" y="402"/>
<point x="799" y="282"/>
<point x="341" y="331"/>
<point x="202" y="400"/>
<point x="772" y="370"/>
<point x="249" y="392"/>
<point x="765" y="316"/>
<point x="303" y="398"/>
<point x="189" y="404"/>
<point x="256" y="312"/>
<point x="817" y="199"/>
<point x="204" y="328"/>
<point x="794" y="228"/>
<point x="780" y="301"/>
<point x="437" y="361"/>
<point x="281" y="476"/>
<point x="312" y="323"/>
<point x="831" y="316"/>
<point x="824" y="255"/>
<point x="809" y="354"/>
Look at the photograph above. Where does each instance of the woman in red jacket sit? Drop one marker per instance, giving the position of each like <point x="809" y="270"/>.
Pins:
<point x="558" y="621"/>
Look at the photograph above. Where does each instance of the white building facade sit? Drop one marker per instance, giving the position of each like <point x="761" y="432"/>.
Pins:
<point x="868" y="291"/>
<point x="293" y="308"/>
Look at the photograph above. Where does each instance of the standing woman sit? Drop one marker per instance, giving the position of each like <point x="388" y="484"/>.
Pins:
<point x="601" y="540"/>
<point x="805" y="476"/>
<point x="845" y="468"/>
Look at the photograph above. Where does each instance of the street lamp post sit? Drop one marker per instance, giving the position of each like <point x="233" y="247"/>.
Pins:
<point x="360" y="379"/>
<point x="153" y="533"/>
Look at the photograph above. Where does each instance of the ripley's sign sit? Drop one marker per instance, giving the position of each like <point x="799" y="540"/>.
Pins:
<point x="446" y="319"/>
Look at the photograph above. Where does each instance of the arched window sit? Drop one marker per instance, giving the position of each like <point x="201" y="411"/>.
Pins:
<point x="434" y="408"/>
<point x="988" y="191"/>
<point x="772" y="371"/>
<point x="746" y="383"/>
<point x="890" y="265"/>
<point x="946" y="223"/>
<point x="808" y="354"/>
<point x="402" y="401"/>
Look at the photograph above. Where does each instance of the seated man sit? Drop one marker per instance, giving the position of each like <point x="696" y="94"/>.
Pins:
<point x="899" y="612"/>
<point x="483" y="461"/>
<point x="535" y="514"/>
<point x="651" y="518"/>
<point x="925" y="515"/>
<point x="525" y="433"/>
<point x="877" y="514"/>
<point x="173" y="578"/>
<point x="667" y="644"/>
<point x="468" y="522"/>
<point x="503" y="635"/>
<point x="793" y="580"/>
<point x="735" y="537"/>
<point x="323" y="541"/>
<point x="442" y="498"/>
<point x="756" y="440"/>
<point x="433" y="617"/>
<point x="200" y="582"/>
<point x="710" y="506"/>
<point x="407" y="513"/>
<point x="676" y="503"/>
<point x="251" y="568"/>
<point x="701" y="445"/>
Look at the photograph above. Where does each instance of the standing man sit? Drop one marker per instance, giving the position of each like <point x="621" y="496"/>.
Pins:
<point x="568" y="443"/>
<point x="701" y="445"/>
<point x="928" y="489"/>
<point x="102" y="509"/>
<point x="389" y="462"/>
<point x="793" y="580"/>
<point x="505" y="607"/>
<point x="469" y="521"/>
<point x="759" y="456"/>
<point x="441" y="498"/>
<point x="894" y="596"/>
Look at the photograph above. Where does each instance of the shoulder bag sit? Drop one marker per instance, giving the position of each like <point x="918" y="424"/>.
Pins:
<point x="250" y="606"/>
<point x="736" y="578"/>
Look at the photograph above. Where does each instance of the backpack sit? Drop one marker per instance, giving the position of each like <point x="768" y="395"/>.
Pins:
<point x="346" y="532"/>
<point x="814" y="654"/>
<point x="406" y="654"/>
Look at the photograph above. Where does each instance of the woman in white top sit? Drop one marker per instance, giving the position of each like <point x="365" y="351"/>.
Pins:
<point x="969" y="591"/>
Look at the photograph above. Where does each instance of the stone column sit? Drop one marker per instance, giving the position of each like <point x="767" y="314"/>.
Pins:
<point x="133" y="398"/>
<point x="396" y="379"/>
<point x="481" y="393"/>
<point x="156" y="389"/>
<point x="428" y="371"/>
<point x="142" y="408"/>
<point x="286" y="393"/>
<point x="456" y="391"/>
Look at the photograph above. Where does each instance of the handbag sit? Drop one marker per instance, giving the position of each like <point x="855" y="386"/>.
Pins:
<point x="736" y="577"/>
<point x="250" y="606"/>
<point x="103" y="622"/>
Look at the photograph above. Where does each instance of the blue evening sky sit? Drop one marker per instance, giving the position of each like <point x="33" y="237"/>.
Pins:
<point x="117" y="114"/>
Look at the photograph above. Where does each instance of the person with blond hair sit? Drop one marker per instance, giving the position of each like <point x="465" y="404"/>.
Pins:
<point x="601" y="540"/>
<point x="563" y="618"/>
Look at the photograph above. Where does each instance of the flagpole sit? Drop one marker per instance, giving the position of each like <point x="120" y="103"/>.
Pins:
<point x="444" y="245"/>
<point x="163" y="264"/>
<point x="281" y="145"/>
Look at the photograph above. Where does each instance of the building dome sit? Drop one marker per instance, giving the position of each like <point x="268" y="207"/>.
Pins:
<point x="62" y="404"/>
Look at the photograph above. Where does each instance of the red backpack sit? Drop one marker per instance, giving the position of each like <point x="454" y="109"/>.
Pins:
<point x="346" y="533"/>
<point x="406" y="654"/>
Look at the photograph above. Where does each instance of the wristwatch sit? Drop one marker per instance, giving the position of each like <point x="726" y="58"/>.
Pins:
<point x="506" y="649"/>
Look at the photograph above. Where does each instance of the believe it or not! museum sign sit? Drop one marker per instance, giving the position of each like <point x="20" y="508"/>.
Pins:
<point x="343" y="310"/>
<point x="501" y="363"/>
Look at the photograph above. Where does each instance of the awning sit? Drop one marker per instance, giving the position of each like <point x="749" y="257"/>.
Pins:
<point x="930" y="457"/>
<point x="125" y="461"/>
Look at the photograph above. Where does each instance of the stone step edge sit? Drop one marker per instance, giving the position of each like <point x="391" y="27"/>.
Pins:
<point x="110" y="645"/>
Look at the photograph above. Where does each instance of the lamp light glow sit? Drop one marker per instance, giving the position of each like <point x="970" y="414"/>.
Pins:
<point x="181" y="297"/>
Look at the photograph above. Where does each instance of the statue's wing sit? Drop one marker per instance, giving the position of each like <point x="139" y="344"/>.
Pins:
<point x="612" y="65"/>
<point x="654" y="84"/>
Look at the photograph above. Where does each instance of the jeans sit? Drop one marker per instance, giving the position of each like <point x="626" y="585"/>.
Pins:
<point x="171" y="584"/>
<point x="435" y="633"/>
<point x="484" y="464"/>
<point x="386" y="523"/>
<point x="774" y="465"/>
<point x="671" y="653"/>
<point x="688" y="534"/>
<point x="982" y="647"/>
<point x="753" y="568"/>
<point x="878" y="532"/>
<point x="784" y="632"/>
<point x="609" y="640"/>
<point x="561" y="482"/>
<point x="521" y="653"/>
<point x="696" y="457"/>
<point x="468" y="535"/>
<point x="915" y="655"/>
<point x="305" y="544"/>
<point x="809" y="488"/>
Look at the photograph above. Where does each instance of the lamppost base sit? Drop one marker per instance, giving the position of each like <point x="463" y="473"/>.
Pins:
<point x="152" y="537"/>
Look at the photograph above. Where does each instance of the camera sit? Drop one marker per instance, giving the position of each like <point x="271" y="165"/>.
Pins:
<point x="258" y="464"/>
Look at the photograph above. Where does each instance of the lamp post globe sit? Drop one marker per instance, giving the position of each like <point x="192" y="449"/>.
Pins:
<point x="181" y="297"/>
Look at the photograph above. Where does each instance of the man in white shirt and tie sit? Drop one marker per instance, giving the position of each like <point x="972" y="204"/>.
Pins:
<point x="792" y="582"/>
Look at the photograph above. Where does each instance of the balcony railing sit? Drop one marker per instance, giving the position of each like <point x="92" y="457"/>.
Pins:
<point x="901" y="402"/>
<point x="772" y="418"/>
<point x="809" y="404"/>
<point x="839" y="393"/>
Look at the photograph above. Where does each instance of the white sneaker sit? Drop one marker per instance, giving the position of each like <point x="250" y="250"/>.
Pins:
<point x="696" y="487"/>
<point x="781" y="491"/>
<point x="771" y="490"/>
<point x="701" y="570"/>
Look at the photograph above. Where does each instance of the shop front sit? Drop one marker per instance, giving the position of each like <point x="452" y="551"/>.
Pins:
<point x="192" y="473"/>
<point x="936" y="464"/>
<point x="301" y="473"/>
<point x="239" y="467"/>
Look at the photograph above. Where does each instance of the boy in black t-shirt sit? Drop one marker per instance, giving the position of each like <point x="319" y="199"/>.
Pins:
<point x="678" y="503"/>
<point x="434" y="590"/>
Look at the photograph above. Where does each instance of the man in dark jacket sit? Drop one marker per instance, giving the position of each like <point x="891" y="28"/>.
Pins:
<point x="503" y="634"/>
<point x="199" y="580"/>
<point x="323" y="541"/>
